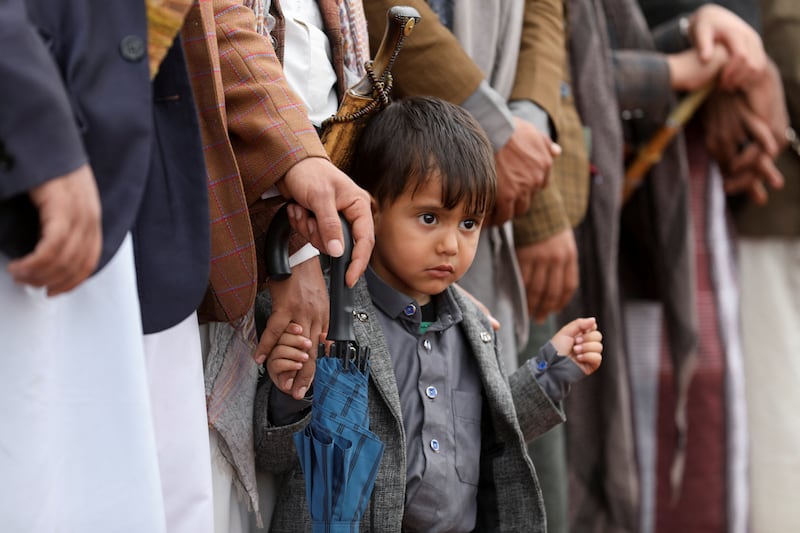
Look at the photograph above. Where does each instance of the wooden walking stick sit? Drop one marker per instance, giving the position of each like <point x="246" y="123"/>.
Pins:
<point x="340" y="132"/>
<point x="650" y="154"/>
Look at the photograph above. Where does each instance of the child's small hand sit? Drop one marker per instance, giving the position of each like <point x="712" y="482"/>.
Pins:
<point x="289" y="355"/>
<point x="581" y="341"/>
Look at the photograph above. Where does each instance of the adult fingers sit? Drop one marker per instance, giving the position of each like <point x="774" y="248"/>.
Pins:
<point x="277" y="324"/>
<point x="553" y="288"/>
<point x="758" y="193"/>
<point x="536" y="287"/>
<point x="503" y="210"/>
<point x="521" y="204"/>
<point x="745" y="159"/>
<point x="71" y="238"/>
<point x="571" y="281"/>
<point x="750" y="166"/>
<point x="758" y="131"/>
<point x="739" y="182"/>
<point x="703" y="39"/>
<point x="360" y="218"/>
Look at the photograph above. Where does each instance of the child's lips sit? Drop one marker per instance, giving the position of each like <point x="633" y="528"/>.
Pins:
<point x="442" y="271"/>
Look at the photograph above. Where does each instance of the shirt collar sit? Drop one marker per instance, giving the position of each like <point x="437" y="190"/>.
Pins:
<point x="406" y="310"/>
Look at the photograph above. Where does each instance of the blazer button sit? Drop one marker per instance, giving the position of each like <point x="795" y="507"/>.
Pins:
<point x="132" y="48"/>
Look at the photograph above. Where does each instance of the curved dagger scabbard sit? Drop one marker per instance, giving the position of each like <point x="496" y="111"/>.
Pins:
<point x="340" y="132"/>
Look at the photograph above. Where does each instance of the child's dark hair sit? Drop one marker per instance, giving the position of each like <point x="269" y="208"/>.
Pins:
<point x="416" y="138"/>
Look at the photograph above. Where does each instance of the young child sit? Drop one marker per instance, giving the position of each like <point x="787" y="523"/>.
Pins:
<point x="454" y="426"/>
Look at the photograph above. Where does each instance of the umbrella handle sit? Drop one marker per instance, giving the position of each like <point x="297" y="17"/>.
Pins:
<point x="276" y="251"/>
<point x="340" y="327"/>
<point x="276" y="258"/>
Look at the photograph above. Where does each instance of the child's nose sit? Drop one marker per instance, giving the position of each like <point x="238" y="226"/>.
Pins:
<point x="448" y="244"/>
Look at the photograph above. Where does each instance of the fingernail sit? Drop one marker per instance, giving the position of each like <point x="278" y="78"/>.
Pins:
<point x="335" y="248"/>
<point x="289" y="383"/>
<point x="302" y="391"/>
<point x="260" y="359"/>
<point x="312" y="226"/>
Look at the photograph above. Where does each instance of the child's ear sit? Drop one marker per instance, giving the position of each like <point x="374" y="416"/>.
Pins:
<point x="376" y="209"/>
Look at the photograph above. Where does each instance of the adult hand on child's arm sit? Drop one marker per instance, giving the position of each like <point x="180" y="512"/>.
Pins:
<point x="581" y="341"/>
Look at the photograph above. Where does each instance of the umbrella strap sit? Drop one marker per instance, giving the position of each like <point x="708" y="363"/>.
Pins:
<point x="343" y="526"/>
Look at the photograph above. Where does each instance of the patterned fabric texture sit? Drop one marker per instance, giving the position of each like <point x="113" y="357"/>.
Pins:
<point x="344" y="18"/>
<point x="164" y="20"/>
<point x="712" y="494"/>
<point x="253" y="130"/>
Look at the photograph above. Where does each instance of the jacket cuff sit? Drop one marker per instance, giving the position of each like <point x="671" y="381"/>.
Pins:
<point x="554" y="373"/>
<point x="492" y="113"/>
<point x="530" y="111"/>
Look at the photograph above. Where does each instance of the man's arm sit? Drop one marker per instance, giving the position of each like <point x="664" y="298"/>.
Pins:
<point x="45" y="158"/>
<point x="546" y="249"/>
<point x="274" y="142"/>
<point x="542" y="57"/>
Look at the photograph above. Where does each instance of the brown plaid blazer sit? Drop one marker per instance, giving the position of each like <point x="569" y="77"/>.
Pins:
<point x="254" y="129"/>
<point x="543" y="76"/>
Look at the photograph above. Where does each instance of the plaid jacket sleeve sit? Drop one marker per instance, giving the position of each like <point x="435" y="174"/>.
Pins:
<point x="541" y="56"/>
<point x="542" y="78"/>
<point x="267" y="123"/>
<point x="254" y="129"/>
<point x="643" y="84"/>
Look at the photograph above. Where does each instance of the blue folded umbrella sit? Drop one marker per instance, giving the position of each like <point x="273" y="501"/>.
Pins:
<point x="338" y="454"/>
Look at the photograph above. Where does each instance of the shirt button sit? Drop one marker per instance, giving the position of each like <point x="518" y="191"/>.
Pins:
<point x="427" y="344"/>
<point x="431" y="392"/>
<point x="410" y="309"/>
<point x="434" y="445"/>
<point x="132" y="48"/>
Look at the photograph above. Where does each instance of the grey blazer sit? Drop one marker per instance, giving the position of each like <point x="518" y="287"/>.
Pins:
<point x="516" y="410"/>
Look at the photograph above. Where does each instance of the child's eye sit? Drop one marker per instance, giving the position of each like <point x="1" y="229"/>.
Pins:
<point x="470" y="224"/>
<point x="427" y="218"/>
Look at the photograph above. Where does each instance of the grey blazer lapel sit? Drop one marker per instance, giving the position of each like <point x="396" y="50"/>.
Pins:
<point x="368" y="332"/>
<point x="495" y="383"/>
<point x="479" y="336"/>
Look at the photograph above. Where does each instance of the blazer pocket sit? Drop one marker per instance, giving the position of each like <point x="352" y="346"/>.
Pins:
<point x="467" y="421"/>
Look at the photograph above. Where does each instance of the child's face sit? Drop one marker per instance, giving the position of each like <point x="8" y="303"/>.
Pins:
<point x="420" y="247"/>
